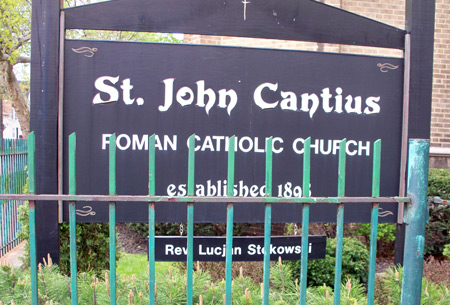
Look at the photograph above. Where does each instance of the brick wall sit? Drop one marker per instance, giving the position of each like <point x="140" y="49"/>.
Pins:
<point x="392" y="13"/>
<point x="440" y="117"/>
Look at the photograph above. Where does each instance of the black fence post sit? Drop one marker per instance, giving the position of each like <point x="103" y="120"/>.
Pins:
<point x="44" y="119"/>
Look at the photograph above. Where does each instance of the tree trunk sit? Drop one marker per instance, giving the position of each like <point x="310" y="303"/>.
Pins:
<point x="16" y="95"/>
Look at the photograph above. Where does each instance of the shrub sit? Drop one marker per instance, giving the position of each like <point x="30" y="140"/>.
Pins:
<point x="351" y="293"/>
<point x="439" y="183"/>
<point x="170" y="288"/>
<point x="391" y="285"/>
<point x="92" y="244"/>
<point x="438" y="229"/>
<point x="92" y="247"/>
<point x="437" y="233"/>
<point x="200" y="229"/>
<point x="385" y="236"/>
<point x="355" y="263"/>
<point x="447" y="251"/>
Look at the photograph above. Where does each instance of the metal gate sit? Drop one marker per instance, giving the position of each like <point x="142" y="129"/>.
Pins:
<point x="415" y="217"/>
<point x="13" y="176"/>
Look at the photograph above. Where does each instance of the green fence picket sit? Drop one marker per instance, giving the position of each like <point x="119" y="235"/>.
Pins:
<point x="151" y="219"/>
<point x="72" y="219"/>
<point x="32" y="217"/>
<point x="230" y="212"/>
<point x="112" y="218"/>
<point x="190" y="221"/>
<point x="267" y="222"/>
<point x="374" y="221"/>
<point x="305" y="220"/>
<point x="340" y="223"/>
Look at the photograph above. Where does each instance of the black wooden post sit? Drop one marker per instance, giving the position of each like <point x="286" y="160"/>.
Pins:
<point x="44" y="117"/>
<point x="419" y="18"/>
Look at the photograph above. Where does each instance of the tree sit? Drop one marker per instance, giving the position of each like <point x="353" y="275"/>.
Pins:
<point x="15" y="35"/>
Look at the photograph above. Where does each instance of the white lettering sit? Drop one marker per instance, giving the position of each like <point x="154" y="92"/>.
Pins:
<point x="126" y="89"/>
<point x="201" y="92"/>
<point x="305" y="103"/>
<point x="289" y="101"/>
<point x="169" y="249"/>
<point x="171" y="190"/>
<point x="258" y="98"/>
<point x="168" y="94"/>
<point x="338" y="99"/>
<point x="104" y="88"/>
<point x="185" y="96"/>
<point x="353" y="105"/>
<point x="127" y="142"/>
<point x="372" y="105"/>
<point x="140" y="145"/>
<point x="105" y="140"/>
<point x="326" y="96"/>
<point x="362" y="147"/>
<point x="351" y="152"/>
<point x="223" y="94"/>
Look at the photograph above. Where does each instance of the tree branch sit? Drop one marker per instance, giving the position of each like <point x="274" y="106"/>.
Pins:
<point x="22" y="41"/>
<point x="19" y="59"/>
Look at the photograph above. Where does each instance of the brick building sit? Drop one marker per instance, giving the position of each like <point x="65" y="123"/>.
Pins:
<point x="392" y="13"/>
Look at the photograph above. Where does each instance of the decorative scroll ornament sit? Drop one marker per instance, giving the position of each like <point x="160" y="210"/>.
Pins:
<point x="88" y="52"/>
<point x="86" y="211"/>
<point x="386" y="67"/>
<point x="385" y="213"/>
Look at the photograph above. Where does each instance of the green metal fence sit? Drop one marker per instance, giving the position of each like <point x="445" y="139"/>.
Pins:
<point x="415" y="218"/>
<point x="13" y="176"/>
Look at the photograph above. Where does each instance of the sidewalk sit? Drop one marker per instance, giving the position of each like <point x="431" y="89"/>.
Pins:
<point x="12" y="258"/>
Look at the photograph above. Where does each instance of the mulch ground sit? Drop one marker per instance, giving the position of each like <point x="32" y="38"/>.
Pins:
<point x="130" y="241"/>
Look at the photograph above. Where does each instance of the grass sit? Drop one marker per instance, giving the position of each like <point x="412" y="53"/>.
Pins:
<point x="137" y="264"/>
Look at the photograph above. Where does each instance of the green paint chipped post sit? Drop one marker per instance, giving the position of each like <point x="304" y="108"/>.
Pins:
<point x="112" y="218"/>
<point x="32" y="217"/>
<point x="72" y="218"/>
<point x="374" y="221"/>
<point x="340" y="223"/>
<point x="190" y="221"/>
<point x="415" y="219"/>
<point x="267" y="222"/>
<point x="230" y="214"/>
<point x="305" y="220"/>
<point x="151" y="218"/>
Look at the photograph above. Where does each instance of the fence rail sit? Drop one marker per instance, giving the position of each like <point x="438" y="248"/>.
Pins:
<point x="417" y="178"/>
<point x="13" y="176"/>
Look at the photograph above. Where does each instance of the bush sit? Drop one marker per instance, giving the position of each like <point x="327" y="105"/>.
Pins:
<point x="385" y="236"/>
<point x="355" y="264"/>
<point x="439" y="183"/>
<point x="437" y="233"/>
<point x="447" y="251"/>
<point x="92" y="247"/>
<point x="170" y="288"/>
<point x="391" y="286"/>
<point x="200" y="229"/>
<point x="92" y="244"/>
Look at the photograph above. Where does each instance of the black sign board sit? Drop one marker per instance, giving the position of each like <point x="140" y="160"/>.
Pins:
<point x="139" y="89"/>
<point x="213" y="249"/>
